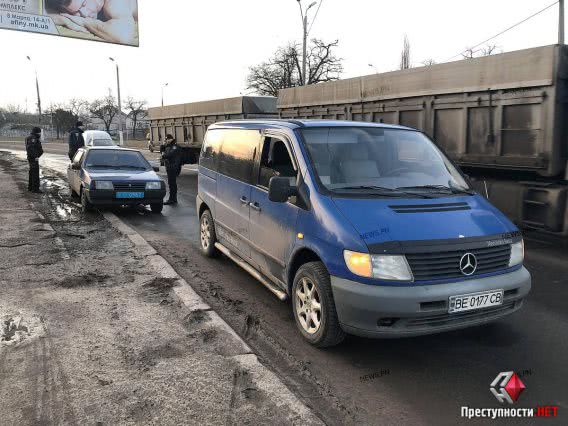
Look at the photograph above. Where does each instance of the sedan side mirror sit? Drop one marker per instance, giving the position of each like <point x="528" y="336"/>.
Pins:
<point x="76" y="166"/>
<point x="279" y="189"/>
<point x="156" y="168"/>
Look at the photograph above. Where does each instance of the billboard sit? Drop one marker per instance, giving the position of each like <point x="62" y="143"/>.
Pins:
<point x="109" y="21"/>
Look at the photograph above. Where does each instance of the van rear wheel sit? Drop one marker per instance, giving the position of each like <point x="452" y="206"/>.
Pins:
<point x="314" y="307"/>
<point x="207" y="236"/>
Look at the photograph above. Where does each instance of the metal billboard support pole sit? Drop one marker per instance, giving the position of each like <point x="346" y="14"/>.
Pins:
<point x="37" y="90"/>
<point x="120" y="126"/>
<point x="561" y="22"/>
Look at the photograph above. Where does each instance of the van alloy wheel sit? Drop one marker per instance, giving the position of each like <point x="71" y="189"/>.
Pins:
<point x="205" y="232"/>
<point x="308" y="306"/>
<point x="207" y="236"/>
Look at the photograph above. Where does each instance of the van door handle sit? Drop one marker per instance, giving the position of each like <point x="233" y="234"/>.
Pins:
<point x="244" y="200"/>
<point x="255" y="206"/>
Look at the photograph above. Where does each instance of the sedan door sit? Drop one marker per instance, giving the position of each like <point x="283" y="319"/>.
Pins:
<point x="74" y="175"/>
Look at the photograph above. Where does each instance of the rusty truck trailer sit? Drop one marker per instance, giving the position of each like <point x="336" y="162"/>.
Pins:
<point x="501" y="117"/>
<point x="189" y="122"/>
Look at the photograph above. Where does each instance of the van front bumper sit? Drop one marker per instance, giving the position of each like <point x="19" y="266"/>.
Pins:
<point x="389" y="311"/>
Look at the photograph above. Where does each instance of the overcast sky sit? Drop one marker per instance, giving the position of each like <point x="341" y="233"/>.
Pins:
<point x="203" y="48"/>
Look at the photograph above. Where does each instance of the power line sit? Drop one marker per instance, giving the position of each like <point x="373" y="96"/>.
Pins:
<point x="504" y="31"/>
<point x="315" y="16"/>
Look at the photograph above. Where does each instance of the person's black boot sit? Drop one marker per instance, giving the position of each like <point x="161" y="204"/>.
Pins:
<point x="170" y="202"/>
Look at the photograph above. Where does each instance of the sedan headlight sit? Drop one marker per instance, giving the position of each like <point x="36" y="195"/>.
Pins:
<point x="517" y="253"/>
<point x="104" y="184"/>
<point x="153" y="185"/>
<point x="385" y="267"/>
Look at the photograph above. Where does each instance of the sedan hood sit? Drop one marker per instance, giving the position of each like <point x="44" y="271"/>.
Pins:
<point x="394" y="219"/>
<point x="123" y="175"/>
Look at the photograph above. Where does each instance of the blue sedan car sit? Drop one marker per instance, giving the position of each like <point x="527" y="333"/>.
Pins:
<point x="113" y="176"/>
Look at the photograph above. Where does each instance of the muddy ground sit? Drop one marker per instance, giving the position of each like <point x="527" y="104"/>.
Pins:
<point x="90" y="336"/>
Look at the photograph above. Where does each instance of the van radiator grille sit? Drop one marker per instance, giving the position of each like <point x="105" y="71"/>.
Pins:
<point x="129" y="186"/>
<point x="446" y="264"/>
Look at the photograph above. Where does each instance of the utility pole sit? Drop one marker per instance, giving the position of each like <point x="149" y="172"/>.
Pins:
<point x="120" y="127"/>
<point x="164" y="86"/>
<point x="305" y="40"/>
<point x="561" y="22"/>
<point x="37" y="89"/>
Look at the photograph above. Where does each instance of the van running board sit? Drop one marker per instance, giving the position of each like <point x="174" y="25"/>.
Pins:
<point x="265" y="281"/>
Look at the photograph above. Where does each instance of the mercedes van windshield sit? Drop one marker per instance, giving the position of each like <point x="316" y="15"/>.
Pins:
<point x="378" y="161"/>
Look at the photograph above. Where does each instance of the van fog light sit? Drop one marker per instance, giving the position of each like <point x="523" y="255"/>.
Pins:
<point x="392" y="268"/>
<point x="517" y="253"/>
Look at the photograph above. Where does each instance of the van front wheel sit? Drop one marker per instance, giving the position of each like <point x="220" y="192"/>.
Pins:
<point x="207" y="236"/>
<point x="314" y="307"/>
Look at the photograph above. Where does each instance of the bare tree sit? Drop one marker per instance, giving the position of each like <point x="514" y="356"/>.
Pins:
<point x="469" y="53"/>
<point x="137" y="110"/>
<point x="283" y="70"/>
<point x="429" y="62"/>
<point x="14" y="109"/>
<point x="405" y="54"/>
<point x="104" y="109"/>
<point x="79" y="108"/>
<point x="489" y="49"/>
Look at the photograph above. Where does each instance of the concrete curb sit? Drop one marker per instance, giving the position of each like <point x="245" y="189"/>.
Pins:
<point x="239" y="351"/>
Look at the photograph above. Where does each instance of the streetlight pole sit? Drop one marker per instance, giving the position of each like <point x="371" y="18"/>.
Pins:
<point x="120" y="127"/>
<point x="374" y="68"/>
<point x="305" y="40"/>
<point x="37" y="89"/>
<point x="561" y="22"/>
<point x="164" y="86"/>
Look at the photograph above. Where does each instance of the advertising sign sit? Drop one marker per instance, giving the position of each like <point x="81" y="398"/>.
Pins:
<point x="109" y="21"/>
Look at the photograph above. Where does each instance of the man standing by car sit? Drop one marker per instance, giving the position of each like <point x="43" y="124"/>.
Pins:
<point x="172" y="160"/>
<point x="76" y="140"/>
<point x="34" y="150"/>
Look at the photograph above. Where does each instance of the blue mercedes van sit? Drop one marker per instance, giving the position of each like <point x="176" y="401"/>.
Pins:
<point x="368" y="228"/>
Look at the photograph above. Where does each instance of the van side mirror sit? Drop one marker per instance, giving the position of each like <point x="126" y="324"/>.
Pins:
<point x="279" y="189"/>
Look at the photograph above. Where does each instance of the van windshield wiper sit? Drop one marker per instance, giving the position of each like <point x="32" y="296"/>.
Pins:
<point x="451" y="189"/>
<point x="383" y="190"/>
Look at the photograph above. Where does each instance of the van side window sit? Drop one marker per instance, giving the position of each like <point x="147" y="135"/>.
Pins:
<point x="236" y="158"/>
<point x="275" y="161"/>
<point x="210" y="150"/>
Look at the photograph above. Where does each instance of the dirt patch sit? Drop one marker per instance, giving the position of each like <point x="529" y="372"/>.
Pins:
<point x="85" y="280"/>
<point x="159" y="291"/>
<point x="19" y="328"/>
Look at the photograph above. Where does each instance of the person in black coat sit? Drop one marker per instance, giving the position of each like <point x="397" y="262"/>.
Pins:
<point x="171" y="156"/>
<point x="76" y="140"/>
<point x="34" y="151"/>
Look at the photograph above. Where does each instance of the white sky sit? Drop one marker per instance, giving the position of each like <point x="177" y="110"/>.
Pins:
<point x="203" y="48"/>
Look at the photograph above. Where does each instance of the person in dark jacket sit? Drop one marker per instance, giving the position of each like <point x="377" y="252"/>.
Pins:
<point x="34" y="150"/>
<point x="172" y="160"/>
<point x="76" y="140"/>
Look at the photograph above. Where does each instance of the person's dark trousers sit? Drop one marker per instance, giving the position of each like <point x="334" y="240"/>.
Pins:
<point x="33" y="182"/>
<point x="172" y="183"/>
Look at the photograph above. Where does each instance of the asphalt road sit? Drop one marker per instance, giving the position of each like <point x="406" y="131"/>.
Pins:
<point x="422" y="380"/>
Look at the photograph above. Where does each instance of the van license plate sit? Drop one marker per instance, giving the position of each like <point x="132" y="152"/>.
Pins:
<point x="473" y="301"/>
<point x="129" y="195"/>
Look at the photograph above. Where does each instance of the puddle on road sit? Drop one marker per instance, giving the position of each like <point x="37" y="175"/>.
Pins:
<point x="19" y="327"/>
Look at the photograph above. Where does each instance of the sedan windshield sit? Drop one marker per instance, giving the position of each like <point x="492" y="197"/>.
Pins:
<point x="116" y="159"/>
<point x="380" y="161"/>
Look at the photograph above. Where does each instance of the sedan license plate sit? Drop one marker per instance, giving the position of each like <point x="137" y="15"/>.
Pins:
<point x="129" y="195"/>
<point x="473" y="301"/>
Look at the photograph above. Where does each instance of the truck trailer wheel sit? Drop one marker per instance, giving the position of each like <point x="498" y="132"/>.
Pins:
<point x="314" y="307"/>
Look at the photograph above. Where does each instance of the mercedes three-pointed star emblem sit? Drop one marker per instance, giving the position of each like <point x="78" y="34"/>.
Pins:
<point x="468" y="264"/>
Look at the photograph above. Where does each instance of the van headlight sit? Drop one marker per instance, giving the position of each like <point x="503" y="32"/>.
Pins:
<point x="384" y="267"/>
<point x="517" y="253"/>
<point x="104" y="184"/>
<point x="153" y="185"/>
